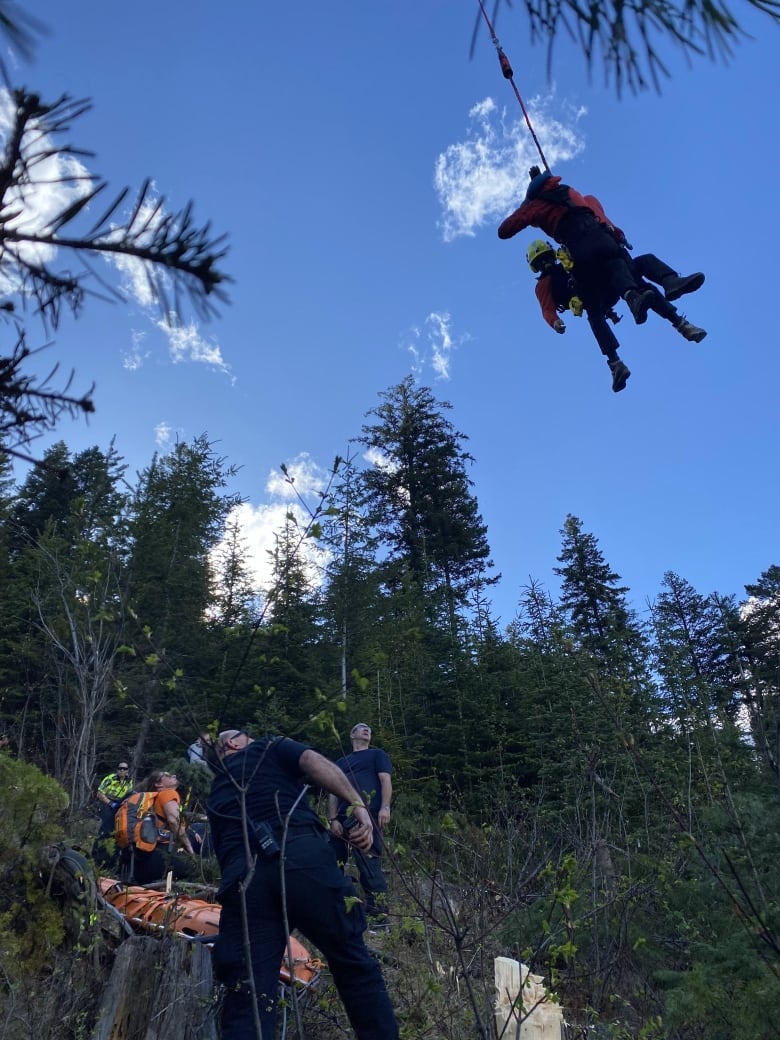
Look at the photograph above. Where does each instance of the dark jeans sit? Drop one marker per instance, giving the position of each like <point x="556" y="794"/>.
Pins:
<point x="319" y="901"/>
<point x="372" y="878"/>
<point x="602" y="267"/>
<point x="605" y="337"/>
<point x="104" y="850"/>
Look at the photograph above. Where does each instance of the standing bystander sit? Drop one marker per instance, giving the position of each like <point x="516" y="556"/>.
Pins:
<point x="111" y="790"/>
<point x="369" y="771"/>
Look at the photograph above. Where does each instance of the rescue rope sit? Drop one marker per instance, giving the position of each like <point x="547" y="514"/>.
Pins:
<point x="508" y="74"/>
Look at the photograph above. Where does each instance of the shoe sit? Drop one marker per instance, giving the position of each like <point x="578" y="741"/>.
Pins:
<point x="690" y="332"/>
<point x="620" y="375"/>
<point x="639" y="304"/>
<point x="676" y="287"/>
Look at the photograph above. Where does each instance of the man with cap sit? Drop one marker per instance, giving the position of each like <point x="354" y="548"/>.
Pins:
<point x="369" y="770"/>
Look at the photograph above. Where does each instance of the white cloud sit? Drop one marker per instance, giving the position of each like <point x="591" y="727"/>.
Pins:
<point x="135" y="357"/>
<point x="307" y="476"/>
<point x="261" y="524"/>
<point x="185" y="343"/>
<point x="377" y="458"/>
<point x="486" y="175"/>
<point x="432" y="345"/>
<point x="163" y="434"/>
<point x="55" y="183"/>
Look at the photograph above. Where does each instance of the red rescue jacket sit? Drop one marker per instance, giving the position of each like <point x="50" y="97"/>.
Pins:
<point x="547" y="215"/>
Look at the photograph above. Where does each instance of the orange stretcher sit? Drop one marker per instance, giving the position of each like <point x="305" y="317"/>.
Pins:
<point x="152" y="910"/>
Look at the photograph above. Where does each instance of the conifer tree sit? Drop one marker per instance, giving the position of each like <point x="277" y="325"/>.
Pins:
<point x="180" y="506"/>
<point x="693" y="655"/>
<point x="760" y="631"/>
<point x="65" y="588"/>
<point x="601" y="620"/>
<point x="419" y="497"/>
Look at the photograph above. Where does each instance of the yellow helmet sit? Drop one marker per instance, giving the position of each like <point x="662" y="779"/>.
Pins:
<point x="538" y="250"/>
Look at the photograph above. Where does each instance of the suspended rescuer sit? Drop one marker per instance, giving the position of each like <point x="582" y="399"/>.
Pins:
<point x="558" y="290"/>
<point x="278" y="872"/>
<point x="603" y="266"/>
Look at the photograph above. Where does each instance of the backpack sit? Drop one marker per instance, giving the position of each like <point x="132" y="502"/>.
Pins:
<point x="135" y="822"/>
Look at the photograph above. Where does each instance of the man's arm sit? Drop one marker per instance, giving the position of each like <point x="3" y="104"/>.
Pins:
<point x="544" y="294"/>
<point x="326" y="774"/>
<point x="101" y="794"/>
<point x="515" y="222"/>
<point x="386" y="790"/>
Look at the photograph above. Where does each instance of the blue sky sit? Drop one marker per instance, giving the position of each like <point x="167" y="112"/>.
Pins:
<point x="360" y="163"/>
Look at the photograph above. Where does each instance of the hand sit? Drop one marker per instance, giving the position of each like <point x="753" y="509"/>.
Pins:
<point x="383" y="816"/>
<point x="559" y="326"/>
<point x="336" y="828"/>
<point x="362" y="836"/>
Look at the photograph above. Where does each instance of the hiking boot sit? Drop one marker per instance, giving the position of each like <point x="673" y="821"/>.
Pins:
<point x="675" y="286"/>
<point x="689" y="331"/>
<point x="639" y="304"/>
<point x="620" y="374"/>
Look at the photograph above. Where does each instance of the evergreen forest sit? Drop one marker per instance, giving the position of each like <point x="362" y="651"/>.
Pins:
<point x="593" y="793"/>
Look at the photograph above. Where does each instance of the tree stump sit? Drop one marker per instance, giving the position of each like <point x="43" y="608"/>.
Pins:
<point x="523" y="1009"/>
<point x="159" y="989"/>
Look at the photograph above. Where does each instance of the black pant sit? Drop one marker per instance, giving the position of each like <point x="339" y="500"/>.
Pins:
<point x="321" y="903"/>
<point x="143" y="868"/>
<point x="369" y="867"/>
<point x="601" y="266"/>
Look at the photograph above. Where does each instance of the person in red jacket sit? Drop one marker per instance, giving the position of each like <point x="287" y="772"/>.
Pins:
<point x="604" y="268"/>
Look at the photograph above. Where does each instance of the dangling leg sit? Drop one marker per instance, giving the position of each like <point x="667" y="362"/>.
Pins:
<point x="686" y="328"/>
<point x="608" y="345"/>
<point x="674" y="285"/>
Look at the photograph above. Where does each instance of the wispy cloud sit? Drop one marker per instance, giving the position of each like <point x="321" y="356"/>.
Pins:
<point x="486" y="175"/>
<point x="58" y="181"/>
<point x="135" y="356"/>
<point x="433" y="345"/>
<point x="163" y="435"/>
<point x="185" y="343"/>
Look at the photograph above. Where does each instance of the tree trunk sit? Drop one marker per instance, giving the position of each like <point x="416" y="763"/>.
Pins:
<point x="159" y="989"/>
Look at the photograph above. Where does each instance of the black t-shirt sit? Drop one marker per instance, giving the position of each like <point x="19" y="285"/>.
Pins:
<point x="362" y="769"/>
<point x="268" y="770"/>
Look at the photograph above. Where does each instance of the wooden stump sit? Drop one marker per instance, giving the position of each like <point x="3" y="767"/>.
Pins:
<point x="523" y="1009"/>
<point x="159" y="989"/>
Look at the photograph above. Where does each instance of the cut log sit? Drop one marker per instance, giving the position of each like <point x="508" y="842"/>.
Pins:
<point x="159" y="989"/>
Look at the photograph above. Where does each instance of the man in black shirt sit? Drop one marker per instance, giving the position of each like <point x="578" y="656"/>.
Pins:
<point x="369" y="771"/>
<point x="279" y="871"/>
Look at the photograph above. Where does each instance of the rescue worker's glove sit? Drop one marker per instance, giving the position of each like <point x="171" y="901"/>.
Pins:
<point x="559" y="326"/>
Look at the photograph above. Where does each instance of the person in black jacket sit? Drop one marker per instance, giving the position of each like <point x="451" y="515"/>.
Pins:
<point x="558" y="289"/>
<point x="279" y="872"/>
